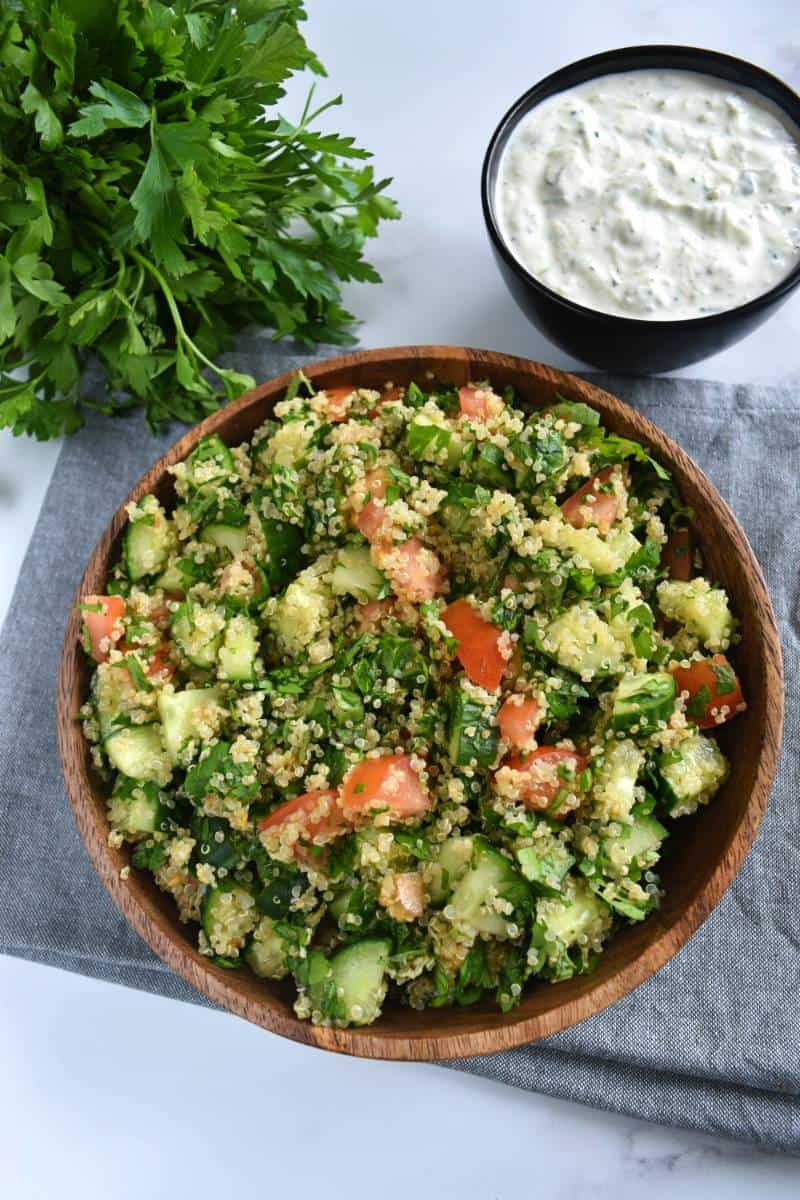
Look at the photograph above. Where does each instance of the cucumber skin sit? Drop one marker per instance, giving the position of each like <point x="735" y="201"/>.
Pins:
<point x="181" y="629"/>
<point x="266" y="954"/>
<point x="135" y="807"/>
<point x="138" y="752"/>
<point x="211" y="447"/>
<point x="488" y="869"/>
<point x="239" y="649"/>
<point x="349" y="967"/>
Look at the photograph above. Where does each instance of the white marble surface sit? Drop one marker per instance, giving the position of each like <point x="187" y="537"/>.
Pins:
<point x="107" y="1091"/>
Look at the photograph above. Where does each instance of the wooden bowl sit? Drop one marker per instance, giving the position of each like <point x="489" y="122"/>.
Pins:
<point x="707" y="849"/>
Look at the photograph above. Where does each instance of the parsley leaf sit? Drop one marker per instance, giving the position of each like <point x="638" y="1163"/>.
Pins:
<point x="726" y="680"/>
<point x="699" y="703"/>
<point x="155" y="203"/>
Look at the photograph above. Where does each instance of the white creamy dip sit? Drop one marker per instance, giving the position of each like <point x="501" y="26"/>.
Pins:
<point x="656" y="194"/>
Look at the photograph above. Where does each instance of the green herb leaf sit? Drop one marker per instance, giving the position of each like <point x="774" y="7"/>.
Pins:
<point x="726" y="680"/>
<point x="150" y="858"/>
<point x="155" y="204"/>
<point x="699" y="703"/>
<point x="119" y="109"/>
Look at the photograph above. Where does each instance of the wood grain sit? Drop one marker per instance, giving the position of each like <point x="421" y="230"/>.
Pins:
<point x="707" y="849"/>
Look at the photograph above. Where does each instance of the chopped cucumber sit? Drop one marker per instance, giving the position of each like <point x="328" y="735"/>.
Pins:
<point x="303" y="612"/>
<point x="183" y="573"/>
<point x="641" y="702"/>
<point x="347" y="989"/>
<point x="692" y="773"/>
<point x="135" y="807"/>
<point x="582" y="642"/>
<point x="198" y="633"/>
<point x="172" y="578"/>
<point x="581" y="914"/>
<point x="266" y="954"/>
<point x="148" y="542"/>
<point x="229" y="915"/>
<point x="113" y="693"/>
<point x="545" y="865"/>
<point x="642" y="840"/>
<point x="139" y="752"/>
<point x="700" y="608"/>
<point x="210" y="462"/>
<point x="605" y="555"/>
<point x="472" y="734"/>
<point x="178" y="711"/>
<point x="359" y="976"/>
<point x="614" y="783"/>
<point x="637" y="845"/>
<point x="489" y="875"/>
<point x="288" y="446"/>
<point x="232" y="538"/>
<point x="355" y="575"/>
<point x="314" y="978"/>
<point x="237" y="654"/>
<point x="569" y="931"/>
<point x="452" y="861"/>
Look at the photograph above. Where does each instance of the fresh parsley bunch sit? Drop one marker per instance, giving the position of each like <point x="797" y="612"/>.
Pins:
<point x="153" y="203"/>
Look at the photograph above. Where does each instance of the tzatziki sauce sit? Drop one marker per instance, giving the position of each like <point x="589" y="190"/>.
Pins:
<point x="656" y="194"/>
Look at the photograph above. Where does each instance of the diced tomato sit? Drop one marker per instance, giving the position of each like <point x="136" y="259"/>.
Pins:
<point x="337" y="407"/>
<point x="536" y="779"/>
<point x="415" y="571"/>
<point x="388" y="782"/>
<point x="316" y="815"/>
<point x="370" y="519"/>
<point x="160" y="615"/>
<point x="715" y="694"/>
<point x="369" y="496"/>
<point x="387" y="396"/>
<point x="478" y="403"/>
<point x="480" y="644"/>
<point x="676" y="556"/>
<point x="103" y="627"/>
<point x="519" y="718"/>
<point x="160" y="664"/>
<point x="371" y="615"/>
<point x="601" y="510"/>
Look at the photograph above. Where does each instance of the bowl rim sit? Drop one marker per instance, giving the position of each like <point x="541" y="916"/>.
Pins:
<point x="370" y="1041"/>
<point x="611" y="62"/>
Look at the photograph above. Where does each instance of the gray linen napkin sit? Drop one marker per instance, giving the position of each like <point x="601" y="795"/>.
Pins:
<point x="710" y="1043"/>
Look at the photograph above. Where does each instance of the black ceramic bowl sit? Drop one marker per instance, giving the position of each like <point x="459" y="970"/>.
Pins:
<point x="604" y="339"/>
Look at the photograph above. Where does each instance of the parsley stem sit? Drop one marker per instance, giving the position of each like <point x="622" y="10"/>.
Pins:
<point x="175" y="313"/>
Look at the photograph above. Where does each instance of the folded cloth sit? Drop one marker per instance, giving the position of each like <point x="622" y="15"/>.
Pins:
<point x="710" y="1042"/>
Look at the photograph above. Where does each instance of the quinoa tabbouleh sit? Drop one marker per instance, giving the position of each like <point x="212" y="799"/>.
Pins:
<point x="406" y="693"/>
